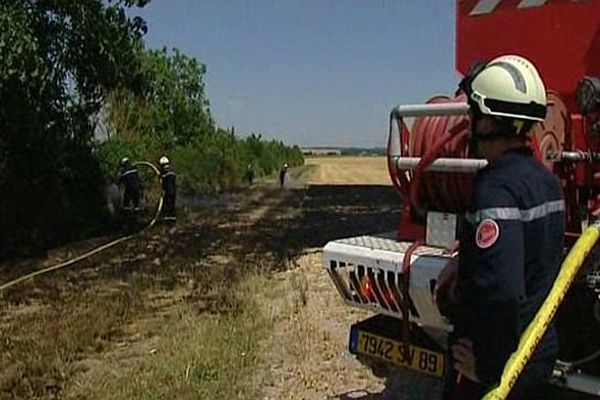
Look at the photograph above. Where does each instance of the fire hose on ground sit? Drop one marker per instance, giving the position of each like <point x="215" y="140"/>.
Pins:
<point x="96" y="250"/>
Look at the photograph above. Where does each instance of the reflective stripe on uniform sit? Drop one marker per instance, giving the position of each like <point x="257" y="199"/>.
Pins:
<point x="169" y="174"/>
<point x="515" y="213"/>
<point x="131" y="171"/>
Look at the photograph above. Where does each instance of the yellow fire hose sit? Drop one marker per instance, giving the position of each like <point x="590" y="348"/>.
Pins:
<point x="96" y="250"/>
<point x="538" y="326"/>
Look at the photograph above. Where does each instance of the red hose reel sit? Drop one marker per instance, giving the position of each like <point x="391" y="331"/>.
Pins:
<point x="433" y="137"/>
<point x="446" y="136"/>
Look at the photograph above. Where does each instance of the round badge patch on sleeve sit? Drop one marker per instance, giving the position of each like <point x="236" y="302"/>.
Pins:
<point x="487" y="233"/>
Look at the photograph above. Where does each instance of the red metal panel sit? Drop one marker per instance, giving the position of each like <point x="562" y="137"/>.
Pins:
<point x="561" y="37"/>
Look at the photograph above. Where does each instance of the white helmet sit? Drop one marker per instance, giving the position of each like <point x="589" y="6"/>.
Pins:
<point x="509" y="86"/>
<point x="163" y="160"/>
<point x="124" y="160"/>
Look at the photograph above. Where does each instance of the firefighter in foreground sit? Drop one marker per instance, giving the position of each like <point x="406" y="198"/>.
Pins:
<point x="168" y="178"/>
<point x="129" y="179"/>
<point x="511" y="243"/>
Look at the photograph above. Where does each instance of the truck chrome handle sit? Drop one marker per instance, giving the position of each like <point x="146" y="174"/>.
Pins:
<point x="575" y="156"/>
<point x="442" y="164"/>
<point x="396" y="157"/>
<point x="419" y="110"/>
<point x="434" y="109"/>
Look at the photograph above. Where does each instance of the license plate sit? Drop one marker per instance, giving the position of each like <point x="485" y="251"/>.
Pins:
<point x="391" y="351"/>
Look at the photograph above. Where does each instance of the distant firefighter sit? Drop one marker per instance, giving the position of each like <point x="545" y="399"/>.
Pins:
<point x="169" y="187"/>
<point x="282" y="174"/>
<point x="249" y="175"/>
<point x="129" y="179"/>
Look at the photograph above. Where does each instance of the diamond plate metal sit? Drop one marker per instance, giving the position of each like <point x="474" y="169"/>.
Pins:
<point x="346" y="260"/>
<point x="386" y="241"/>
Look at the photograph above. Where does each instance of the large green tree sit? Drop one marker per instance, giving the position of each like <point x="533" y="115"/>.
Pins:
<point x="173" y="110"/>
<point x="58" y="61"/>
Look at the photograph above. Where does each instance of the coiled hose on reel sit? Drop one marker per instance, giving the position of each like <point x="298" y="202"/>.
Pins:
<point x="432" y="137"/>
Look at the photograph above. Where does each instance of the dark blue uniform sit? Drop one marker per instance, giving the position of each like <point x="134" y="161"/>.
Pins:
<point x="169" y="186"/>
<point x="130" y="179"/>
<point x="250" y="175"/>
<point x="511" y="248"/>
<point x="282" y="174"/>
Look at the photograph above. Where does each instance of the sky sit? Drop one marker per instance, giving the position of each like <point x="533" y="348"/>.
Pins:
<point x="312" y="72"/>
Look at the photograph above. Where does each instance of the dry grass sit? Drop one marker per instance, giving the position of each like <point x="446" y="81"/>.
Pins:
<point x="300" y="290"/>
<point x="195" y="356"/>
<point x="89" y="348"/>
<point x="348" y="170"/>
<point x="49" y="328"/>
<point x="39" y="348"/>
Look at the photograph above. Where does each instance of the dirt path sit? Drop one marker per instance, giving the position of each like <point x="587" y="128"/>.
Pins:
<point x="306" y="356"/>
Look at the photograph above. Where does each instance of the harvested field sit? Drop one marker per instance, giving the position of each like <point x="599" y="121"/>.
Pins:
<point x="348" y="171"/>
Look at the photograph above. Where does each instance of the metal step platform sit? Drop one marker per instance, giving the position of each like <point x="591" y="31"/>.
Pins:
<point x="367" y="272"/>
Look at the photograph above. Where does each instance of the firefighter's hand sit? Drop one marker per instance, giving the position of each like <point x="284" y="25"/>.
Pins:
<point x="444" y="293"/>
<point x="464" y="359"/>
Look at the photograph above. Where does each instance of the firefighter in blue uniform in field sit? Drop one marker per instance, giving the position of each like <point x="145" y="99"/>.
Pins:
<point x="169" y="187"/>
<point x="129" y="179"/>
<point x="511" y="241"/>
<point x="249" y="175"/>
<point x="282" y="174"/>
